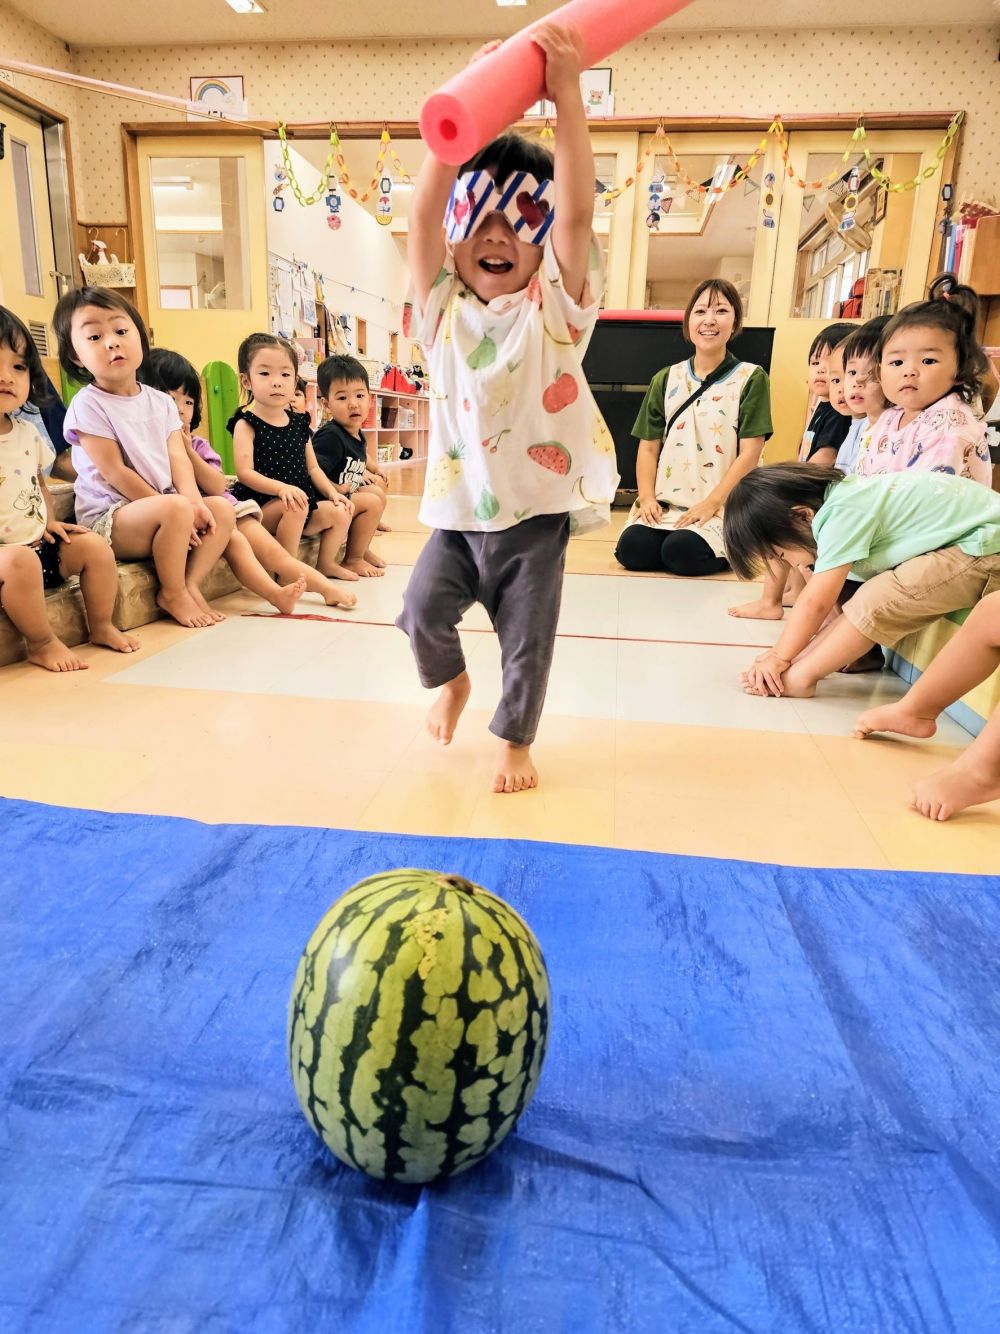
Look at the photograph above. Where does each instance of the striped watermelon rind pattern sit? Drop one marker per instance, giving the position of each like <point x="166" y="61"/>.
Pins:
<point x="417" y="1025"/>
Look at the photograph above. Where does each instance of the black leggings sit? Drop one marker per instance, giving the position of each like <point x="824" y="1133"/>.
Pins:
<point x="677" y="551"/>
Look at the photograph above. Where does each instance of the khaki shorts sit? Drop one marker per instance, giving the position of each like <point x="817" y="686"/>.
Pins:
<point x="893" y="605"/>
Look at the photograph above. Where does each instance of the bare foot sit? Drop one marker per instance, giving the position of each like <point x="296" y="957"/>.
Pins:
<point x="951" y="790"/>
<point x="54" y="656"/>
<point x="374" y="559"/>
<point x="336" y="598"/>
<point x="109" y="636"/>
<point x="447" y="709"/>
<point x="183" y="609"/>
<point x="796" y="685"/>
<point x="758" y="611"/>
<point x="383" y="528"/>
<point x="284" y="599"/>
<point x="363" y="569"/>
<point x="198" y="598"/>
<point x="894" y="718"/>
<point x="335" y="571"/>
<point x="515" y="772"/>
<point x="872" y="661"/>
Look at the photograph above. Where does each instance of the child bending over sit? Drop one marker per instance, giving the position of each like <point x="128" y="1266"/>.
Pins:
<point x="924" y="543"/>
<point x="253" y="554"/>
<point x="134" y="484"/>
<point x="342" y="453"/>
<point x="275" y="462"/>
<point x="972" y="656"/>
<point x="36" y="550"/>
<point x="506" y="300"/>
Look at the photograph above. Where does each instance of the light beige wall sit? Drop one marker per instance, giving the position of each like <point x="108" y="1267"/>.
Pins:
<point x="23" y="40"/>
<point x="729" y="73"/>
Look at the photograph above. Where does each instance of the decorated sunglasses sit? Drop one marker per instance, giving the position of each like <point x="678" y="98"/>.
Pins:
<point x="524" y="201"/>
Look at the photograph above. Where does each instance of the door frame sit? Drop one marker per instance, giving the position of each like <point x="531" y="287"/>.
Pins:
<point x="60" y="182"/>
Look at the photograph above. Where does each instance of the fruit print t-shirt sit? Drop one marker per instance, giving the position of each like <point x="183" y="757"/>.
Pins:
<point x="515" y="431"/>
<point x="945" y="437"/>
<point x="704" y="441"/>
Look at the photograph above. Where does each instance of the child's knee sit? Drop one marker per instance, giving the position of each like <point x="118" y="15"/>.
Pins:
<point x="91" y="549"/>
<point x="175" y="509"/>
<point x="16" y="562"/>
<point x="222" y="512"/>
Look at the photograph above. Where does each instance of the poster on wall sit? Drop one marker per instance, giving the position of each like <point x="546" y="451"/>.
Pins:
<point x="595" y="86"/>
<point x="217" y="95"/>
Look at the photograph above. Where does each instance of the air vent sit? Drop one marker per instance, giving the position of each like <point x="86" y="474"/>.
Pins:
<point x="40" y="337"/>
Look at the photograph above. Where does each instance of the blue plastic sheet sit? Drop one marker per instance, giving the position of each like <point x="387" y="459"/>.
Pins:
<point x="770" y="1101"/>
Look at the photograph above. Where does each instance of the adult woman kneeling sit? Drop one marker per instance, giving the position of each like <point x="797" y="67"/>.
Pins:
<point x="701" y="428"/>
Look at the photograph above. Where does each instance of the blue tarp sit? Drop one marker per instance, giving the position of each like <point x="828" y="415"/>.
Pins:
<point x="770" y="1101"/>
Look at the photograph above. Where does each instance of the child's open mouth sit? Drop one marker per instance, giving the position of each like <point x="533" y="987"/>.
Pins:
<point x="496" y="265"/>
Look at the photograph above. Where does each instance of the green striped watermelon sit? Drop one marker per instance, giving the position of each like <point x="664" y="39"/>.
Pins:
<point x="417" y="1024"/>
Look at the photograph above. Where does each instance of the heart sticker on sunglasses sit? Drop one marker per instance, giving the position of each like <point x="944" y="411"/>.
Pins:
<point x="533" y="211"/>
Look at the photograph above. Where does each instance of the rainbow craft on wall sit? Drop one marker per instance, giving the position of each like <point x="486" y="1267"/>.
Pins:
<point x="222" y="94"/>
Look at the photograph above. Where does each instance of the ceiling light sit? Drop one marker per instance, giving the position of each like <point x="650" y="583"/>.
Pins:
<point x="504" y="4"/>
<point x="245" y="6"/>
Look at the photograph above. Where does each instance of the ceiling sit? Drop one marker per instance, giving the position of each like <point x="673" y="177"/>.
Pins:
<point x="110" y="23"/>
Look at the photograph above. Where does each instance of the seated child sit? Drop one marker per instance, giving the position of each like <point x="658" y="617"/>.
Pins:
<point x="134" y="485"/>
<point x="931" y="368"/>
<point x="275" y="462"/>
<point x="299" y="402"/>
<point x="342" y="453"/>
<point x="970" y="657"/>
<point x="253" y="554"/>
<point x="862" y="389"/>
<point x="827" y="427"/>
<point x="36" y="550"/>
<point x="924" y="543"/>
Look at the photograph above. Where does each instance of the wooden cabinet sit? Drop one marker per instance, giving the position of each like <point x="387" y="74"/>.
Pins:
<point x="399" y="424"/>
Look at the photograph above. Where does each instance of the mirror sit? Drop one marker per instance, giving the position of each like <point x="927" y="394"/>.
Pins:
<point x="199" y="218"/>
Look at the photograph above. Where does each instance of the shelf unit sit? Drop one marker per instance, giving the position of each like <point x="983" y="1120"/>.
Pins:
<point x="398" y="421"/>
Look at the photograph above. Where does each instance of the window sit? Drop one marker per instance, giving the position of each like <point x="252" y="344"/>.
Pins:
<point x="26" y="218"/>
<point x="199" y="216"/>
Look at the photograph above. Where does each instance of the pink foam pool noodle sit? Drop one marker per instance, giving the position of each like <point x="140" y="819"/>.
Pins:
<point x="480" y="102"/>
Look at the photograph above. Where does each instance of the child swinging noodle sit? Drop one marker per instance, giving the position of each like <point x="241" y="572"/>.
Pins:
<point x="507" y="296"/>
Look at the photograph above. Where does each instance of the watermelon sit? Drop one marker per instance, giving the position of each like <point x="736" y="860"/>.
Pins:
<point x="417" y="1024"/>
<point x="551" y="455"/>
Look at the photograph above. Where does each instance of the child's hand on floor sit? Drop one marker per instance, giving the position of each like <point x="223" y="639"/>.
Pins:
<point x="764" y="677"/>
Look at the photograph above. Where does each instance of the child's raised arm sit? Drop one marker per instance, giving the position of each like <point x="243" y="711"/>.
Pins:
<point x="425" y="248"/>
<point x="574" y="169"/>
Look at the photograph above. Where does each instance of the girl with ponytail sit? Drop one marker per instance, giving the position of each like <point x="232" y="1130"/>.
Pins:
<point x="933" y="375"/>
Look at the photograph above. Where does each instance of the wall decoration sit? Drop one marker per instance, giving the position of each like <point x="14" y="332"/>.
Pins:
<point x="221" y="94"/>
<point x="595" y="85"/>
<point x="880" y="204"/>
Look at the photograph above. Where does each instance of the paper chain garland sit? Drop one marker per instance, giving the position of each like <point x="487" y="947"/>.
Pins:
<point x="335" y="163"/>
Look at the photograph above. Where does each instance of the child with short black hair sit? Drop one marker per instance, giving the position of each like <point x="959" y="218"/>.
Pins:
<point x="827" y="427"/>
<point x="862" y="389"/>
<point x="37" y="552"/>
<point x="342" y="453"/>
<point x="253" y="554"/>
<point x="925" y="544"/>
<point x="507" y="296"/>
<point x="134" y="484"/>
<point x="275" y="462"/>
<point x="932" y="371"/>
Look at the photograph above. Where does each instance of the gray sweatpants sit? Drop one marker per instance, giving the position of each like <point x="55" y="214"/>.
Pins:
<point x="517" y="576"/>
